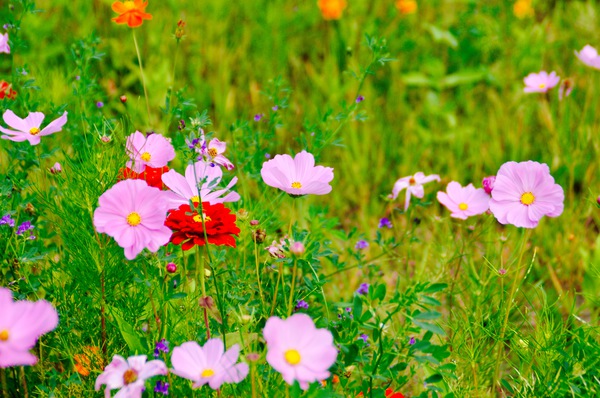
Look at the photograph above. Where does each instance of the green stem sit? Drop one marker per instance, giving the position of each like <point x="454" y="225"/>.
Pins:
<point x="137" y="50"/>
<point x="24" y="381"/>
<point x="170" y="95"/>
<point x="260" y="292"/>
<point x="4" y="383"/>
<point x="294" y="274"/>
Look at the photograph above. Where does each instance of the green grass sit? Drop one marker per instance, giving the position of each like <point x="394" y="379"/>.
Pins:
<point x="450" y="102"/>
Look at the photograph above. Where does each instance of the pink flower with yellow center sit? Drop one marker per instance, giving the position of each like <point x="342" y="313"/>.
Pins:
<point x="134" y="215"/>
<point x="129" y="375"/>
<point x="28" y="129"/>
<point x="154" y="151"/>
<point x="298" y="350"/>
<point x="524" y="193"/>
<point x="464" y="202"/>
<point x="540" y="82"/>
<point x="413" y="186"/>
<point x="21" y="324"/>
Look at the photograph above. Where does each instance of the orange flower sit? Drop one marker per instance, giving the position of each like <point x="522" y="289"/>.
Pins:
<point x="523" y="9"/>
<point x="332" y="9"/>
<point x="406" y="6"/>
<point x="131" y="12"/>
<point x="6" y="90"/>
<point x="83" y="363"/>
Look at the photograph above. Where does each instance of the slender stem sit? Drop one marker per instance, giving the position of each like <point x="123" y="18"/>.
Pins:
<point x="200" y="267"/>
<point x="156" y="317"/>
<point x="253" y="379"/>
<point x="276" y="289"/>
<point x="103" y="317"/>
<point x="294" y="272"/>
<point x="258" y="275"/>
<point x="24" y="381"/>
<point x="137" y="50"/>
<point x="4" y="383"/>
<point x="170" y="92"/>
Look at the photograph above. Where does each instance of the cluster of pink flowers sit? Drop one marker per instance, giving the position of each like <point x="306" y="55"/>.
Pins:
<point x="296" y="348"/>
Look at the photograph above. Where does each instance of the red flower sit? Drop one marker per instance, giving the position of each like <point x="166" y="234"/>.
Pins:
<point x="186" y="224"/>
<point x="6" y="90"/>
<point x="152" y="175"/>
<point x="130" y="12"/>
<point x="389" y="393"/>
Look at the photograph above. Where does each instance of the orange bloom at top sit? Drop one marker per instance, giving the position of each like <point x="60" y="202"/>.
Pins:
<point x="332" y="9"/>
<point x="407" y="6"/>
<point x="131" y="12"/>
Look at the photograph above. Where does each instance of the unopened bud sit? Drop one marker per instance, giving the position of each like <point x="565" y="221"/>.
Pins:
<point x="254" y="222"/>
<point x="259" y="235"/>
<point x="56" y="168"/>
<point x="297" y="248"/>
<point x="123" y="98"/>
<point x="488" y="184"/>
<point x="242" y="214"/>
<point x="206" y="302"/>
<point x="105" y="138"/>
<point x="171" y="268"/>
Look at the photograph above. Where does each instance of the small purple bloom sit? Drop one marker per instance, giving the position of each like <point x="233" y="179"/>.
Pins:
<point x="301" y="305"/>
<point x="99" y="104"/>
<point x="385" y="222"/>
<point x="502" y="271"/>
<point x="7" y="220"/>
<point x="258" y="116"/>
<point x="275" y="108"/>
<point x="361" y="244"/>
<point x="363" y="289"/>
<point x="412" y="341"/>
<point x="162" y="387"/>
<point x="26" y="226"/>
<point x="268" y="155"/>
<point x="359" y="99"/>
<point x="488" y="184"/>
<point x="161" y="346"/>
<point x="363" y="337"/>
<point x="77" y="77"/>
<point x="348" y="309"/>
<point x="181" y="125"/>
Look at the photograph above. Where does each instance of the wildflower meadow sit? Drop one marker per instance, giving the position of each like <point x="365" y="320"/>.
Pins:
<point x="285" y="198"/>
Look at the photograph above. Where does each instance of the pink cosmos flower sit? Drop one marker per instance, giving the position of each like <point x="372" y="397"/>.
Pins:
<point x="134" y="214"/>
<point x="298" y="350"/>
<point x="209" y="364"/>
<point x="524" y="193"/>
<point x="211" y="152"/>
<point x="21" y="324"/>
<point x="540" y="82"/>
<point x="154" y="151"/>
<point x="297" y="176"/>
<point x="29" y="128"/>
<point x="589" y="56"/>
<point x="183" y="189"/>
<point x="464" y="202"/>
<point x="56" y="169"/>
<point x="4" y="47"/>
<point x="129" y="375"/>
<point x="413" y="185"/>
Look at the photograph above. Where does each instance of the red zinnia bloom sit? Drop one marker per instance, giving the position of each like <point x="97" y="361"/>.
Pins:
<point x="152" y="175"/>
<point x="6" y="90"/>
<point x="186" y="224"/>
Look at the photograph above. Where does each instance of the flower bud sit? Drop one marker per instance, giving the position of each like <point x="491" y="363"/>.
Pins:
<point x="259" y="235"/>
<point x="171" y="268"/>
<point x="297" y="248"/>
<point x="488" y="184"/>
<point x="254" y="222"/>
<point x="123" y="99"/>
<point x="56" y="169"/>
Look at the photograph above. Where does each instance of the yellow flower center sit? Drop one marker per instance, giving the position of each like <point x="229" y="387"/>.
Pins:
<point x="542" y="85"/>
<point x="129" y="5"/>
<point x="212" y="152"/>
<point x="195" y="199"/>
<point x="4" y="335"/>
<point x="146" y="157"/>
<point x="412" y="181"/>
<point x="527" y="198"/>
<point x="130" y="376"/>
<point x="34" y="131"/>
<point x="463" y="206"/>
<point x="134" y="219"/>
<point x="207" y="373"/>
<point x="296" y="185"/>
<point x="292" y="357"/>
<point x="197" y="218"/>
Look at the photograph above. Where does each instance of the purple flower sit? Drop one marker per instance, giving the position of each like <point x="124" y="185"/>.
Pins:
<point x="359" y="99"/>
<point x="162" y="387"/>
<point x="363" y="289"/>
<point x="275" y="108"/>
<point x="258" y="116"/>
<point x="301" y="305"/>
<point x="181" y="125"/>
<point x="99" y="104"/>
<point x="26" y="226"/>
<point x="268" y="155"/>
<point x="361" y="244"/>
<point x="385" y="222"/>
<point x="7" y="220"/>
<point x="488" y="184"/>
<point x="412" y="340"/>
<point x="363" y="337"/>
<point x="161" y="346"/>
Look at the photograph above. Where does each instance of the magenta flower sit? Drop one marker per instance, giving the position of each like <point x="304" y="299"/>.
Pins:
<point x="297" y="176"/>
<point x="29" y="128"/>
<point x="154" y="151"/>
<point x="524" y="193"/>
<point x="21" y="324"/>
<point x="183" y="189"/>
<point x="129" y="375"/>
<point x="413" y="185"/>
<point x="540" y="82"/>
<point x="209" y="364"/>
<point x="134" y="214"/>
<point x="589" y="56"/>
<point x="298" y="350"/>
<point x="464" y="202"/>
<point x="488" y="184"/>
<point x="4" y="47"/>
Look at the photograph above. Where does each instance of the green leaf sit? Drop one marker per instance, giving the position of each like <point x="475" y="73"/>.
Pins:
<point x="128" y="332"/>
<point x="429" y="315"/>
<point x="462" y="77"/>
<point x="442" y="36"/>
<point x="380" y="291"/>
<point x="416" y="79"/>
<point x="434" y="378"/>
<point x="357" y="310"/>
<point x="436" y="287"/>
<point x="431" y="327"/>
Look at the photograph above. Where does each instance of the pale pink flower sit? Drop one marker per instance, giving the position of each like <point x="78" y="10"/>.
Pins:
<point x="277" y="249"/>
<point x="589" y="56"/>
<point x="129" y="375"/>
<point x="4" y="47"/>
<point x="207" y="176"/>
<point x="297" y="176"/>
<point x="154" y="151"/>
<point x="211" y="152"/>
<point x="298" y="350"/>
<point x="525" y="192"/>
<point x="413" y="186"/>
<point x="540" y="82"/>
<point x="56" y="169"/>
<point x="29" y="128"/>
<point x="134" y="214"/>
<point x="464" y="202"/>
<point x="208" y="364"/>
<point x="21" y="324"/>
